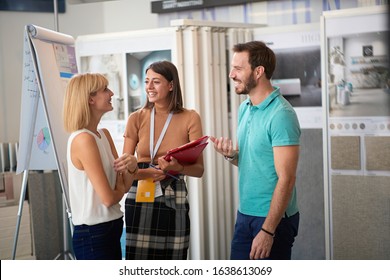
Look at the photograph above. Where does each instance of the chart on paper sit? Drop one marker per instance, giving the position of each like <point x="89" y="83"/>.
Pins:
<point x="43" y="139"/>
<point x="35" y="149"/>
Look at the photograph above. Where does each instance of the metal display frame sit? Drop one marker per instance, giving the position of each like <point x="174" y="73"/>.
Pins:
<point x="338" y="24"/>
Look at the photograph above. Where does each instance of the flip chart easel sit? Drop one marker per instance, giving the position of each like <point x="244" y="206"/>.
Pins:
<point x="49" y="61"/>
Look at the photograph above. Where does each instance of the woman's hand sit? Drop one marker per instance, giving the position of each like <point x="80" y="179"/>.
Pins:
<point x="126" y="162"/>
<point x="173" y="165"/>
<point x="155" y="173"/>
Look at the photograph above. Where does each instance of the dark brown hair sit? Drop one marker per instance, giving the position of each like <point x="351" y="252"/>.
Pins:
<point x="258" y="55"/>
<point x="169" y="71"/>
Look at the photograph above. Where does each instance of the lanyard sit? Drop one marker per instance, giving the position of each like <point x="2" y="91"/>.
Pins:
<point x="153" y="151"/>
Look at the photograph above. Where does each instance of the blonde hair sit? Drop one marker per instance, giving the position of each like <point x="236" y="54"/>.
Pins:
<point x="76" y="111"/>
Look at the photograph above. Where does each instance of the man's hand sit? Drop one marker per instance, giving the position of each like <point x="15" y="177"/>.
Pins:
<point x="261" y="246"/>
<point x="223" y="146"/>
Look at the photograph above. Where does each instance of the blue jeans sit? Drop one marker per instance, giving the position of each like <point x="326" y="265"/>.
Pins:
<point x="247" y="227"/>
<point x="98" y="242"/>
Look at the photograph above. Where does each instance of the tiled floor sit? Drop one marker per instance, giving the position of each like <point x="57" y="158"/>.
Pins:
<point x="8" y="222"/>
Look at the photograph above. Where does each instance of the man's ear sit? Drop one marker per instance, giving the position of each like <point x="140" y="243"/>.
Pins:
<point x="259" y="71"/>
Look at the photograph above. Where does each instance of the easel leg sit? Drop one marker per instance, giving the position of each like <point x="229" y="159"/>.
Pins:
<point x="21" y="201"/>
<point x="67" y="222"/>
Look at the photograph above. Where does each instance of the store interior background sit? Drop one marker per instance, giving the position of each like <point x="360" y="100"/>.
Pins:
<point x="36" y="239"/>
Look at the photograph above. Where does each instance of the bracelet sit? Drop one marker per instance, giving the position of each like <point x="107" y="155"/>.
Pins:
<point x="268" y="232"/>
<point x="134" y="171"/>
<point x="231" y="158"/>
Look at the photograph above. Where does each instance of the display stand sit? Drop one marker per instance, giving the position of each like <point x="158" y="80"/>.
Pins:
<point x="356" y="133"/>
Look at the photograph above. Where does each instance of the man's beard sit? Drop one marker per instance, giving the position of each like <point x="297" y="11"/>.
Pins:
<point x="248" y="86"/>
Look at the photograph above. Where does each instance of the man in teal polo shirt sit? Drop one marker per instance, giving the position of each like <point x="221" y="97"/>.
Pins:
<point x="267" y="157"/>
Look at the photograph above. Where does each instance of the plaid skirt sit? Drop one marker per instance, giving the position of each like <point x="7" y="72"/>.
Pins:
<point x="158" y="230"/>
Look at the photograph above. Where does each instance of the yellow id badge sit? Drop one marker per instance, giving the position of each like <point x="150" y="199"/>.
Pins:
<point x="145" y="190"/>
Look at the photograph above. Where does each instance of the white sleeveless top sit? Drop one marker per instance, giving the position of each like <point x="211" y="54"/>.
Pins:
<point x="86" y="206"/>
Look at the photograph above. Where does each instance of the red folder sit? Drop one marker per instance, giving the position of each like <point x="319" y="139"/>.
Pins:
<point x="188" y="153"/>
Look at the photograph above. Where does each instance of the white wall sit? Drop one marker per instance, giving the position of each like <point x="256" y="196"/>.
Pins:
<point x="78" y="20"/>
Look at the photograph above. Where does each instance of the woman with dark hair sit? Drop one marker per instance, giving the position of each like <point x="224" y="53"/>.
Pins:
<point x="156" y="208"/>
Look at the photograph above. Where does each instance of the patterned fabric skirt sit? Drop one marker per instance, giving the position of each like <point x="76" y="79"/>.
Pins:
<point x="160" y="229"/>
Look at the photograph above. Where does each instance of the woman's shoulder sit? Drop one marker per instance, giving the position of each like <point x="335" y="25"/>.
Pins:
<point x="189" y="112"/>
<point x="83" y="132"/>
<point x="82" y="137"/>
<point x="190" y="116"/>
<point x="140" y="113"/>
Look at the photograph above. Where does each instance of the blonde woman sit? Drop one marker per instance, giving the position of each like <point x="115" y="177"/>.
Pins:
<point x="96" y="184"/>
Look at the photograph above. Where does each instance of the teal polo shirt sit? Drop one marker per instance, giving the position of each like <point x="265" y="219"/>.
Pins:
<point x="260" y="128"/>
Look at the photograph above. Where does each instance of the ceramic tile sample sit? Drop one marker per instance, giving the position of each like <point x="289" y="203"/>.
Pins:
<point x="377" y="152"/>
<point x="361" y="217"/>
<point x="345" y="152"/>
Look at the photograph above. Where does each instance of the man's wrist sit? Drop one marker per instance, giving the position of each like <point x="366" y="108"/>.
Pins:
<point x="268" y="232"/>
<point x="231" y="158"/>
